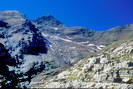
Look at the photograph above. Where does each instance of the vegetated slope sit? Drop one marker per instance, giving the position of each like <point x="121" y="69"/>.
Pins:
<point x="110" y="68"/>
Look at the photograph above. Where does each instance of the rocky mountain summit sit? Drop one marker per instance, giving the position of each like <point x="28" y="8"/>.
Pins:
<point x="68" y="44"/>
<point x="77" y="42"/>
<point x="36" y="53"/>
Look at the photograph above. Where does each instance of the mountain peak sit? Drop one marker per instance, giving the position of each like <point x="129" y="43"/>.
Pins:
<point x="12" y="16"/>
<point x="48" y="20"/>
<point x="11" y="13"/>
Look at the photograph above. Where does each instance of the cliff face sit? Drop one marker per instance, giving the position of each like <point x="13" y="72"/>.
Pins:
<point x="24" y="43"/>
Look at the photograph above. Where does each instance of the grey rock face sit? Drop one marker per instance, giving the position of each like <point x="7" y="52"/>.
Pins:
<point x="24" y="42"/>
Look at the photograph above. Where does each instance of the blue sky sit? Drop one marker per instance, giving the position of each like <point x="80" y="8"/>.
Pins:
<point x="94" y="14"/>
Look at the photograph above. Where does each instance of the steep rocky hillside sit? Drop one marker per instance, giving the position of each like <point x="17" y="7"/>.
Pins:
<point x="30" y="49"/>
<point x="68" y="44"/>
<point x="77" y="42"/>
<point x="110" y="68"/>
<point x="25" y="46"/>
